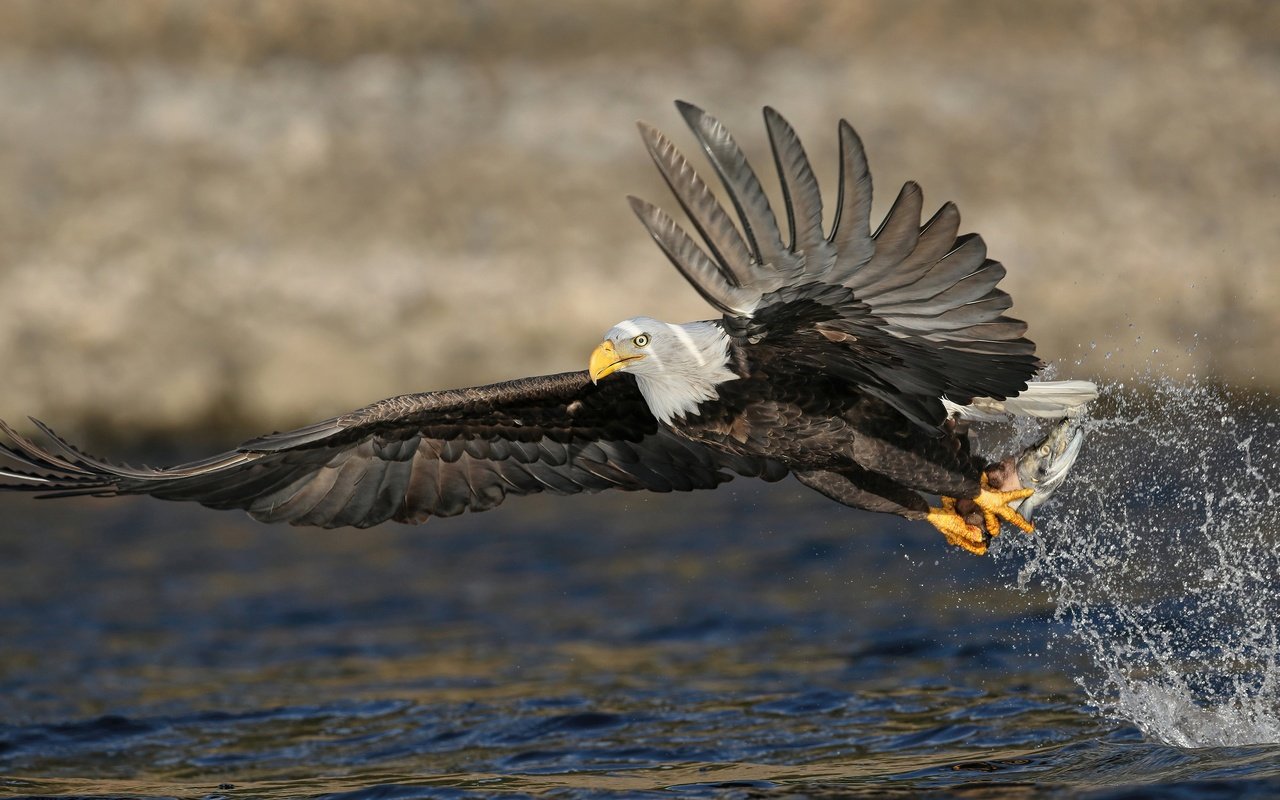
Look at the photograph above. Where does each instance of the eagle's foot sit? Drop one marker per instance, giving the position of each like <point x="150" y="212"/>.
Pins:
<point x="956" y="530"/>
<point x="994" y="504"/>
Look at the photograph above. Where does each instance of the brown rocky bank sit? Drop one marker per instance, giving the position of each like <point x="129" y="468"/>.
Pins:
<point x="238" y="220"/>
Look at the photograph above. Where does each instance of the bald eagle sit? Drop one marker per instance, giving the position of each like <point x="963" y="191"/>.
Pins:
<point x="850" y="359"/>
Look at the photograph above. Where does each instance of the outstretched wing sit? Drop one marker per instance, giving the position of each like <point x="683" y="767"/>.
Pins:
<point x="910" y="313"/>
<point x="416" y="456"/>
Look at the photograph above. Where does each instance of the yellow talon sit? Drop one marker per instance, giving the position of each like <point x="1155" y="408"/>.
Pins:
<point x="955" y="529"/>
<point x="995" y="507"/>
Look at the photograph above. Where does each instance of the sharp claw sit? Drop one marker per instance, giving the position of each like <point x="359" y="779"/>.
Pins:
<point x="955" y="529"/>
<point x="977" y="548"/>
<point x="995" y="507"/>
<point x="994" y="504"/>
<point x="992" y="523"/>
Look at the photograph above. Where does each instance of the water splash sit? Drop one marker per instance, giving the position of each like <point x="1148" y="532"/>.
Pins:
<point x="1162" y="554"/>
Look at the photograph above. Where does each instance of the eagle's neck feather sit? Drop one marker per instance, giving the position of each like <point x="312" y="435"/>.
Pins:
<point x="688" y="373"/>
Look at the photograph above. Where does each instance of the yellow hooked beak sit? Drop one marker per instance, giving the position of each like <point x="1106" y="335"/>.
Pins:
<point x="605" y="360"/>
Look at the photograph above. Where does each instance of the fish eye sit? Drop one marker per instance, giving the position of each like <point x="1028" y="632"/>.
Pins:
<point x="1044" y="451"/>
<point x="641" y="341"/>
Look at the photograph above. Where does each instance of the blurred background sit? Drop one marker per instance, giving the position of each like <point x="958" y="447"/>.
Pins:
<point x="219" y="219"/>
<point x="222" y="218"/>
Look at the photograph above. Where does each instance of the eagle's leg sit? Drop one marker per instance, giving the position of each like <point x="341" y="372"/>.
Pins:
<point x="957" y="531"/>
<point x="970" y="522"/>
<point x="994" y="504"/>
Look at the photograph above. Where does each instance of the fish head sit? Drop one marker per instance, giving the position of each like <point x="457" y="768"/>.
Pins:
<point x="1044" y="467"/>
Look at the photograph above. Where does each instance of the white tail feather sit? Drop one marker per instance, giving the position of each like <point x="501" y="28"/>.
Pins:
<point x="1044" y="399"/>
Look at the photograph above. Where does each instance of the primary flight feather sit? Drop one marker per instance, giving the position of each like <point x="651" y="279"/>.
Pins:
<point x="850" y="359"/>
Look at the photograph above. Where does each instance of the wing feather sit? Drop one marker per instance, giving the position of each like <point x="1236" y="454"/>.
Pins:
<point x="911" y="312"/>
<point x="706" y="276"/>
<point x="937" y="238"/>
<point x="301" y="496"/>
<point x="412" y="457"/>
<point x="386" y="498"/>
<point x="851" y="230"/>
<point x="705" y="212"/>
<point x="897" y="236"/>
<point x="759" y="224"/>
<point x="801" y="194"/>
<point x="964" y="260"/>
<point x="960" y="316"/>
<point x="348" y="491"/>
<point x="422" y="491"/>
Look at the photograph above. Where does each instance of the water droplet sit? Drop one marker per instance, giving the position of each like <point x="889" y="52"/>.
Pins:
<point x="1161" y="558"/>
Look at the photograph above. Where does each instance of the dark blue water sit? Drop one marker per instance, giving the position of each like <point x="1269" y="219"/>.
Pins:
<point x="758" y="641"/>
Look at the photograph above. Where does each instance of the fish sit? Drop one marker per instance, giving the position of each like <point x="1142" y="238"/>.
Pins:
<point x="1044" y="467"/>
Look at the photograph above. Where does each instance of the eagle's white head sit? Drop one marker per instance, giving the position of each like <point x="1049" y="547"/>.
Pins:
<point x="677" y="367"/>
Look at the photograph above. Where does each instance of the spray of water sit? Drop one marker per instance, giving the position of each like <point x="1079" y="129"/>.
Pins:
<point x="1163" y="556"/>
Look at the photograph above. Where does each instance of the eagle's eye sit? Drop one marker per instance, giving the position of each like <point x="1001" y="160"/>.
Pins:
<point x="641" y="341"/>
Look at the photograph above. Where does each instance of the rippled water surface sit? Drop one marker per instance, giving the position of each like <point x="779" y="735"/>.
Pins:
<point x="756" y="641"/>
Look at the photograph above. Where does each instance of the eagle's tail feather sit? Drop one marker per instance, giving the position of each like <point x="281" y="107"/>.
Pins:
<point x="1043" y="399"/>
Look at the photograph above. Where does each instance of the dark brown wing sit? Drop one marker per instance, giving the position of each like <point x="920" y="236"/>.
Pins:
<point x="910" y="313"/>
<point x="416" y="456"/>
